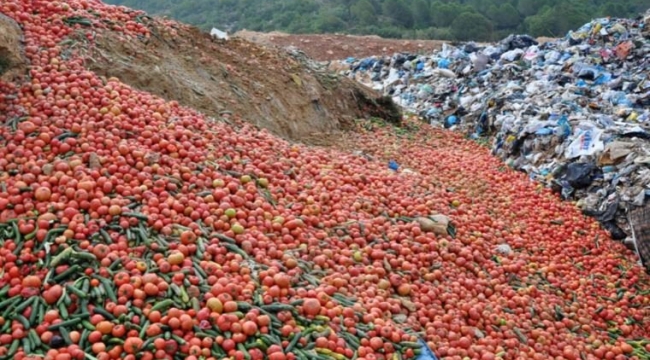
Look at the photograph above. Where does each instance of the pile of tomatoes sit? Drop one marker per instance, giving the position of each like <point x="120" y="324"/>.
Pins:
<point x="134" y="228"/>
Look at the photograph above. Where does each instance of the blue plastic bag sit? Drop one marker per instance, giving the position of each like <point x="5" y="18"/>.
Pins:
<point x="482" y="124"/>
<point x="450" y="121"/>
<point x="603" y="79"/>
<point x="367" y="63"/>
<point x="564" y="128"/>
<point x="426" y="354"/>
<point x="444" y="63"/>
<point x="620" y="99"/>
<point x="433" y="112"/>
<point x="393" y="165"/>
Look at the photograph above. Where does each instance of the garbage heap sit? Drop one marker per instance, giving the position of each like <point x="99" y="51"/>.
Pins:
<point x="573" y="113"/>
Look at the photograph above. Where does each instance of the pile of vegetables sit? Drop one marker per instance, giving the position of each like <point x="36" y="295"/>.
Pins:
<point x="134" y="228"/>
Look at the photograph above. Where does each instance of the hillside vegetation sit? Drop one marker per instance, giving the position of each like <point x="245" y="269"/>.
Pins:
<point x="478" y="20"/>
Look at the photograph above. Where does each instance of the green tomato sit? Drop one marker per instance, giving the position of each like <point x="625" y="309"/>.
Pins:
<point x="237" y="229"/>
<point x="358" y="256"/>
<point x="231" y="213"/>
<point x="263" y="182"/>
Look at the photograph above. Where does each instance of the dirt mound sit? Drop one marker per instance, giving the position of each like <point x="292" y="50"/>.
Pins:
<point x="543" y="39"/>
<point x="12" y="62"/>
<point x="288" y="94"/>
<point x="337" y="47"/>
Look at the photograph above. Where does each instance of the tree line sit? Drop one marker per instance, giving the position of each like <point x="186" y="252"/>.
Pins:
<point x="478" y="20"/>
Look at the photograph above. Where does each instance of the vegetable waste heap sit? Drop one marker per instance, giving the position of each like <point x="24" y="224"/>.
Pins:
<point x="133" y="228"/>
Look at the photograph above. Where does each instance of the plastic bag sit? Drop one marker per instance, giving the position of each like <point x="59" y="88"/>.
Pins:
<point x="603" y="78"/>
<point x="575" y="176"/>
<point x="620" y="98"/>
<point x="512" y="55"/>
<point x="531" y="53"/>
<point x="623" y="49"/>
<point x="579" y="175"/>
<point x="587" y="142"/>
<point x="607" y="218"/>
<point x="445" y="73"/>
<point x="426" y="354"/>
<point x="482" y="124"/>
<point x="393" y="165"/>
<point x="479" y="62"/>
<point x="564" y="128"/>
<point x="219" y="34"/>
<point x="451" y="121"/>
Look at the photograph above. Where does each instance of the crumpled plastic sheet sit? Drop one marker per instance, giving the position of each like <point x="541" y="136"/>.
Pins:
<point x="544" y="106"/>
<point x="426" y="353"/>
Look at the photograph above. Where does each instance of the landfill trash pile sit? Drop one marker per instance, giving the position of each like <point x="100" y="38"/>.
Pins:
<point x="573" y="113"/>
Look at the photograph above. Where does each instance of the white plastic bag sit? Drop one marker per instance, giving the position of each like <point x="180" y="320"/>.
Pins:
<point x="445" y="73"/>
<point x="219" y="34"/>
<point x="587" y="142"/>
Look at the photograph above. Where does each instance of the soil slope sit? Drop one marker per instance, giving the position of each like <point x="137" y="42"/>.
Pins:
<point x="285" y="93"/>
<point x="12" y="63"/>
